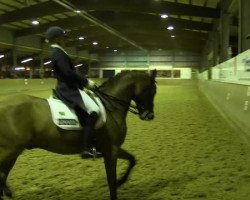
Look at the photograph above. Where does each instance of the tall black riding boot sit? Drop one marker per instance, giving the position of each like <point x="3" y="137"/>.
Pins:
<point x="88" y="136"/>
<point x="81" y="114"/>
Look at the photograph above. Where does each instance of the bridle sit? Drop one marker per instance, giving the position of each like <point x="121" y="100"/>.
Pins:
<point x="132" y="108"/>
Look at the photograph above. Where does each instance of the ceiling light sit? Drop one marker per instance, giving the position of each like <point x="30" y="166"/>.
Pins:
<point x="115" y="50"/>
<point x="107" y="47"/>
<point x="35" y="22"/>
<point x="26" y="60"/>
<point x="170" y="28"/>
<point x="77" y="11"/>
<point x="46" y="63"/>
<point x="81" y="38"/>
<point x="172" y="36"/>
<point x="79" y="65"/>
<point x="164" y="16"/>
<point x="19" y="68"/>
<point x="1" y="56"/>
<point x="95" y="43"/>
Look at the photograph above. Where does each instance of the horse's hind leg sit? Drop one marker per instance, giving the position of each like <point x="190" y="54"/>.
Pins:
<point x="127" y="156"/>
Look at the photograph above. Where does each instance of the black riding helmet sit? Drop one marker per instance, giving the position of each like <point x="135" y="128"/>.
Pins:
<point x="248" y="36"/>
<point x="54" y="32"/>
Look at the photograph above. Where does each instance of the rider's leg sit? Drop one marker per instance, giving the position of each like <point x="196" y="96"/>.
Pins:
<point x="81" y="114"/>
<point x="88" y="135"/>
<point x="93" y="110"/>
<point x="86" y="120"/>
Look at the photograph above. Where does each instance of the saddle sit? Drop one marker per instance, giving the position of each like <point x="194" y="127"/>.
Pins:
<point x="65" y="117"/>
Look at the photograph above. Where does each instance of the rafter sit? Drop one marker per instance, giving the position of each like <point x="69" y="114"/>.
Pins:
<point x="34" y="11"/>
<point x="142" y="40"/>
<point x="28" y="55"/>
<point x="51" y="8"/>
<point x="95" y="31"/>
<point x="67" y="23"/>
<point x="180" y="47"/>
<point x="122" y="19"/>
<point x="8" y="5"/>
<point x="148" y="7"/>
<point x="135" y="19"/>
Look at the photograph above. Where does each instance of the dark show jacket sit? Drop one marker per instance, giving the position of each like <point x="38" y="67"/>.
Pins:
<point x="68" y="81"/>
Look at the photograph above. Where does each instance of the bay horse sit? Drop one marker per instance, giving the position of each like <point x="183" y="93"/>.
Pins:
<point x="26" y="123"/>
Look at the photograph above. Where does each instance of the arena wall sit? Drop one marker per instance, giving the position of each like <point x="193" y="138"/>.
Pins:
<point x="228" y="89"/>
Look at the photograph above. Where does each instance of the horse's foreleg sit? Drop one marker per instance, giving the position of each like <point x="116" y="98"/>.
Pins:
<point x="127" y="156"/>
<point x="1" y="186"/>
<point x="110" y="159"/>
<point x="7" y="161"/>
<point x="4" y="190"/>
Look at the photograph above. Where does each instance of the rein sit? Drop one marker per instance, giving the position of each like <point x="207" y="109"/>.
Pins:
<point x="132" y="108"/>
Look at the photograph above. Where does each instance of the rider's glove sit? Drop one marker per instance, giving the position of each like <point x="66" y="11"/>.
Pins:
<point x="91" y="84"/>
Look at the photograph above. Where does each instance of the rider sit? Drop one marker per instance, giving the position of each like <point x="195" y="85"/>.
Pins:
<point x="68" y="85"/>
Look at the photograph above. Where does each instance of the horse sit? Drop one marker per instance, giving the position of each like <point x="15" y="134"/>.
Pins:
<point x="26" y="123"/>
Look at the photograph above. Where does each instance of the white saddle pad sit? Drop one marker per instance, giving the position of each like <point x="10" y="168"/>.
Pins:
<point x="65" y="117"/>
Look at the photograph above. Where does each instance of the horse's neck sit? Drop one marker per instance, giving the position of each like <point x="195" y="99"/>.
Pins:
<point x="122" y="89"/>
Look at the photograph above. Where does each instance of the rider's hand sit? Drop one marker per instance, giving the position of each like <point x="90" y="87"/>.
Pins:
<point x="91" y="84"/>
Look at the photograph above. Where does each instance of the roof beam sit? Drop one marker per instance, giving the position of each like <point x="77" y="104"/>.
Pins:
<point x="70" y="22"/>
<point x="181" y="47"/>
<point x="133" y="20"/>
<point x="148" y="7"/>
<point x="94" y="31"/>
<point x="28" y="55"/>
<point x="163" y="41"/>
<point x="50" y="8"/>
<point x="34" y="11"/>
<point x="84" y="14"/>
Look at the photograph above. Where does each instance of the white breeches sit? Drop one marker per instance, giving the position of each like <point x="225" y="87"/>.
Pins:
<point x="89" y="104"/>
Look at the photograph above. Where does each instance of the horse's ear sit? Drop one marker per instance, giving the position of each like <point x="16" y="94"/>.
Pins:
<point x="153" y="74"/>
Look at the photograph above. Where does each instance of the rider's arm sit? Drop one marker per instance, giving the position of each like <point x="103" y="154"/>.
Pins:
<point x="91" y="84"/>
<point x="63" y="64"/>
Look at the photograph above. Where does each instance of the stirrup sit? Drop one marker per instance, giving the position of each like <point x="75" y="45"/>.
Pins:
<point x="91" y="153"/>
<point x="96" y="154"/>
<point x="86" y="155"/>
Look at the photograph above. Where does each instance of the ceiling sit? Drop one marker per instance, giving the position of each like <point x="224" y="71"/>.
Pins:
<point x="116" y="24"/>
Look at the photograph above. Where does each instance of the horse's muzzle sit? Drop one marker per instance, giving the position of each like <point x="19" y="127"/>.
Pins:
<point x="147" y="115"/>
